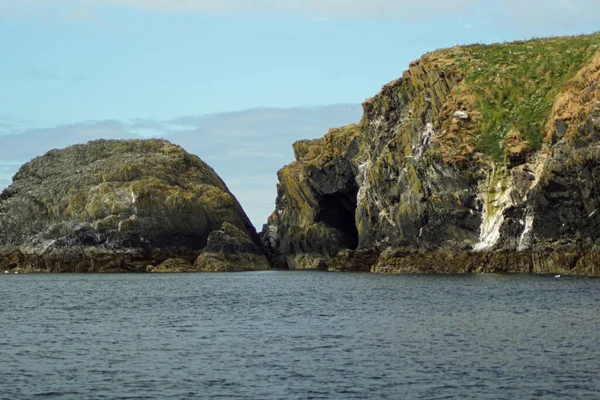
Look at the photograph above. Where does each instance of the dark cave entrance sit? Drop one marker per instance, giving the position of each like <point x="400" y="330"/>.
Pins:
<point x="338" y="210"/>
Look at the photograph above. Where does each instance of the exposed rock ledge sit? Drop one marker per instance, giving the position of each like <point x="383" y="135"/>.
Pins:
<point x="117" y="206"/>
<point x="228" y="250"/>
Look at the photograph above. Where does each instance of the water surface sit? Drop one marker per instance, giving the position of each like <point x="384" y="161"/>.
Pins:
<point x="298" y="335"/>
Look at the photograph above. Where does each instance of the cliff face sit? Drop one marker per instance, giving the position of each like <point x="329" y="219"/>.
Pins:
<point x="114" y="206"/>
<point x="479" y="158"/>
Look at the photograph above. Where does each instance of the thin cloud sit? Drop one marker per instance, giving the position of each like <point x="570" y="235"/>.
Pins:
<point x="551" y="12"/>
<point x="39" y="74"/>
<point x="531" y="13"/>
<point x="248" y="153"/>
<point x="313" y="8"/>
<point x="11" y="125"/>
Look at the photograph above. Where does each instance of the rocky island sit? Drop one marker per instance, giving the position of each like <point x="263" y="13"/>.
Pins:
<point x="481" y="158"/>
<point x="124" y="206"/>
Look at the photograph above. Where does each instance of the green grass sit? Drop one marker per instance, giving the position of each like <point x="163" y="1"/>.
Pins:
<point x="515" y="84"/>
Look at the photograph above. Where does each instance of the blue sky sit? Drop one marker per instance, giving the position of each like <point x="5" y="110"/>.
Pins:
<point x="73" y="60"/>
<point x="68" y="62"/>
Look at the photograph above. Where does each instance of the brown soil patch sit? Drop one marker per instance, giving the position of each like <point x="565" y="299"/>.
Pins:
<point x="576" y="101"/>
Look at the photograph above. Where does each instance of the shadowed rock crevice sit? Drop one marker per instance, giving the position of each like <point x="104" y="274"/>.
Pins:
<point x="316" y="202"/>
<point x="196" y="242"/>
<point x="338" y="211"/>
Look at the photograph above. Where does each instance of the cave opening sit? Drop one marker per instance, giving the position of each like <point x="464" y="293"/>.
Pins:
<point x="338" y="210"/>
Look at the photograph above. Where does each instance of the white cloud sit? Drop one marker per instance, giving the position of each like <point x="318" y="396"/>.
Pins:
<point x="314" y="8"/>
<point x="12" y="124"/>
<point x="557" y="13"/>
<point x="532" y="13"/>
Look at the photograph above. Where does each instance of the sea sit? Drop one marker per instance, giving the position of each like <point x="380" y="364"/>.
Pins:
<point x="299" y="335"/>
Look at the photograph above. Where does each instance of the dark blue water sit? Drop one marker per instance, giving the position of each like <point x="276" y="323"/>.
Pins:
<point x="298" y="335"/>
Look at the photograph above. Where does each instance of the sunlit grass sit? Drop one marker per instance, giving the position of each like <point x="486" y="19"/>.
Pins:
<point x="515" y="84"/>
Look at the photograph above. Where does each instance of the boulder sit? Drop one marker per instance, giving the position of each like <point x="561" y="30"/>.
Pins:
<point x="113" y="205"/>
<point x="231" y="249"/>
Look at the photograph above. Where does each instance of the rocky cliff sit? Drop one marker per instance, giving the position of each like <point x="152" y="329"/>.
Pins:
<point x="112" y="205"/>
<point x="479" y="158"/>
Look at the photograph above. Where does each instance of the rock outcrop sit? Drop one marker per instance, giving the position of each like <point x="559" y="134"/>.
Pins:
<point x="231" y="249"/>
<point x="478" y="159"/>
<point x="112" y="206"/>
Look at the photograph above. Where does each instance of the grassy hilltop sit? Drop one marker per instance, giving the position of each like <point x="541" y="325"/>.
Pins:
<point x="514" y="88"/>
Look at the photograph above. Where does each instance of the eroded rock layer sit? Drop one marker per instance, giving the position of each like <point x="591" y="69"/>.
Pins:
<point x="114" y="206"/>
<point x="479" y="158"/>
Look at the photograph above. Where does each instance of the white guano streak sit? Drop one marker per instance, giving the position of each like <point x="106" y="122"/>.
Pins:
<point x="524" y="239"/>
<point x="498" y="200"/>
<point x="362" y="180"/>
<point x="133" y="199"/>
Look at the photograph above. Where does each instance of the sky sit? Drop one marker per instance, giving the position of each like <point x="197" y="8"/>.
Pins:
<point x="139" y="67"/>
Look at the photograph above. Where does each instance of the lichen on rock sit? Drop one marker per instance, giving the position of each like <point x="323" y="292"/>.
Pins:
<point x="231" y="249"/>
<point x="170" y="265"/>
<point x="113" y="205"/>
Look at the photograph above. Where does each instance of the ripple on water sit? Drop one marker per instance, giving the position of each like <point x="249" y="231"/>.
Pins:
<point x="304" y="335"/>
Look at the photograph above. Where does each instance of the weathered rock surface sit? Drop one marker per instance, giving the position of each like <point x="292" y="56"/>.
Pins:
<point x="110" y="206"/>
<point x="171" y="265"/>
<point x="231" y="249"/>
<point x="228" y="249"/>
<point x="433" y="180"/>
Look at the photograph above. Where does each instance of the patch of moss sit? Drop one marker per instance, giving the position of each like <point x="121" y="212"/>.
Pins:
<point x="515" y="85"/>
<point x="413" y="178"/>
